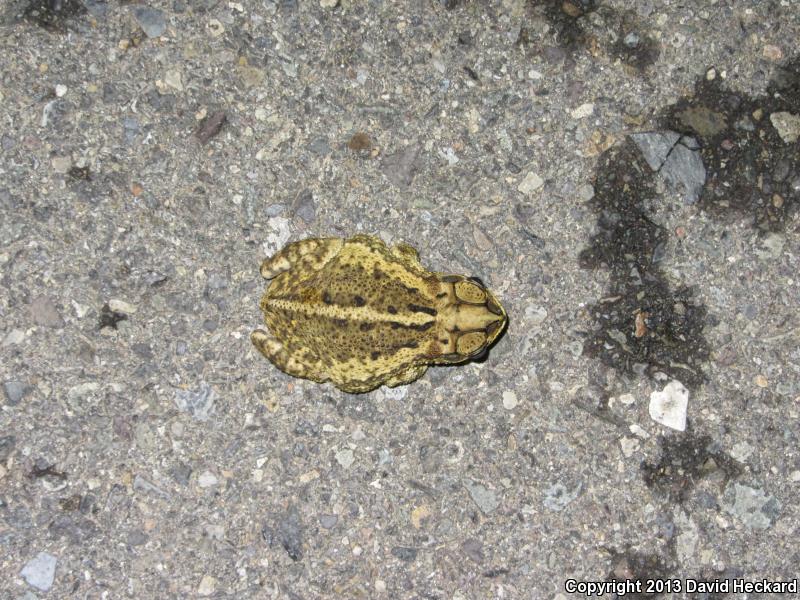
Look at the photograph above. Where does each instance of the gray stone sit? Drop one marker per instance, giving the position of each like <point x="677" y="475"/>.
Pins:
<point x="40" y="572"/>
<point x="328" y="521"/>
<point x="44" y="312"/>
<point x="320" y="147"/>
<point x="285" y="531"/>
<point x="655" y="146"/>
<point x="216" y="281"/>
<point x="137" y="538"/>
<point x="75" y="528"/>
<point x="676" y="158"/>
<point x="143" y="350"/>
<point x="304" y="206"/>
<point x="485" y="498"/>
<point x="151" y="20"/>
<point x="684" y="171"/>
<point x="557" y="496"/>
<point x="7" y="444"/>
<point x="473" y="548"/>
<point x="404" y="553"/>
<point x="181" y="473"/>
<point x="751" y="506"/>
<point x="273" y="210"/>
<point x="401" y="167"/>
<point x="141" y="484"/>
<point x="688" y="537"/>
<point x="15" y="391"/>
<point x="198" y="403"/>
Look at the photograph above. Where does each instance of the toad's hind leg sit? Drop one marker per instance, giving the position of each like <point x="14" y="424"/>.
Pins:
<point x="409" y="375"/>
<point x="277" y="354"/>
<point x="311" y="254"/>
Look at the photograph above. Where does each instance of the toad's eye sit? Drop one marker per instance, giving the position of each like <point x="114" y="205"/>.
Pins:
<point x="477" y="280"/>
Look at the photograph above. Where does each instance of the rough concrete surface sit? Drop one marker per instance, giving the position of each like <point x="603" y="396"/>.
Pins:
<point x="153" y="152"/>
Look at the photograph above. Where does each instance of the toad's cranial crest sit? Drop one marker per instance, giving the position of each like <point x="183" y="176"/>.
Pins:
<point x="359" y="314"/>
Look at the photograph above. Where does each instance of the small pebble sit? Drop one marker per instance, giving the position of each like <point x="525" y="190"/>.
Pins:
<point x="404" y="554"/>
<point x="328" y="521"/>
<point x="207" y="479"/>
<point x="485" y="498"/>
<point x="787" y="126"/>
<point x="61" y="90"/>
<point x="629" y="446"/>
<point x="752" y="506"/>
<point x="14" y="337"/>
<point x="61" y="164"/>
<point x="772" y="52"/>
<point x="419" y="515"/>
<point x="173" y="79"/>
<point x="40" y="571"/>
<point x="509" y="400"/>
<point x="44" y="312"/>
<point x="530" y="183"/>
<point x="207" y="586"/>
<point x="215" y="27"/>
<point x="584" y="110"/>
<point x="626" y="399"/>
<point x="345" y="458"/>
<point x="151" y="20"/>
<point x="121" y="306"/>
<point x="15" y="391"/>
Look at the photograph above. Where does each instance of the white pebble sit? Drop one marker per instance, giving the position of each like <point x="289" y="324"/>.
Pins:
<point x="629" y="446"/>
<point x="121" y="306"/>
<point x="345" y="458"/>
<point x="584" y="110"/>
<point x="669" y="406"/>
<point x="530" y="184"/>
<point x="207" y="586"/>
<point x="509" y="400"/>
<point x="61" y="90"/>
<point x="207" y="479"/>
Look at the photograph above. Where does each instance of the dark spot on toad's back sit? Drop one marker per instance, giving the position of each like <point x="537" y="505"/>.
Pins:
<point x="423" y="309"/>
